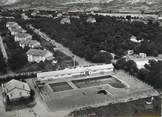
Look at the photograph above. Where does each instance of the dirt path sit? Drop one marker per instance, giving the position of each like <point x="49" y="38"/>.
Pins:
<point x="3" y="49"/>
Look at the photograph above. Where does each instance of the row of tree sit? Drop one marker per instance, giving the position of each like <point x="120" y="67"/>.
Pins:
<point x="151" y="73"/>
<point x="3" y="66"/>
<point x="16" y="55"/>
<point x="108" y="33"/>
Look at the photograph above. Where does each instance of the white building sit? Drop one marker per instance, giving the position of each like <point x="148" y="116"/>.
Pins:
<point x="22" y="37"/>
<point x="11" y="24"/>
<point x="29" y="43"/>
<point x="16" y="30"/>
<point x="143" y="55"/>
<point x="37" y="55"/>
<point x="15" y="89"/>
<point x="65" y="20"/>
<point x="134" y="39"/>
<point x="76" y="72"/>
<point x="91" y="20"/>
<point x="24" y="16"/>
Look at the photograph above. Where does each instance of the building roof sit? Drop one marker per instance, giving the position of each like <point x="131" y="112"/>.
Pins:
<point x="65" y="20"/>
<point x="73" y="71"/>
<point x="22" y="35"/>
<point x="134" y="39"/>
<point x="29" y="42"/>
<point x="12" y="23"/>
<point x="12" y="84"/>
<point x="91" y="20"/>
<point x="37" y="52"/>
<point x="17" y="29"/>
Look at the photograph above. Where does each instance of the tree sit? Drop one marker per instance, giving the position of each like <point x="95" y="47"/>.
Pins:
<point x="131" y="67"/>
<point x="3" y="66"/>
<point x="152" y="73"/>
<point x="102" y="57"/>
<point x="17" y="60"/>
<point x="128" y="65"/>
<point x="128" y="17"/>
<point x="120" y="64"/>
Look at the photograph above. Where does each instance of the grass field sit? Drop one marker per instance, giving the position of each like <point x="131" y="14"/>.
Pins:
<point x="61" y="86"/>
<point x="84" y="83"/>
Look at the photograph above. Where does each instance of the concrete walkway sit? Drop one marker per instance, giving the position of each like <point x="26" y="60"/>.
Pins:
<point x="60" y="47"/>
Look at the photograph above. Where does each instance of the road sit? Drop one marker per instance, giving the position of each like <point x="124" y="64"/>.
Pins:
<point x="3" y="49"/>
<point x="60" y="47"/>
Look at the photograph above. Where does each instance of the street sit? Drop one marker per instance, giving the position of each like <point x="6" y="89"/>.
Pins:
<point x="60" y="47"/>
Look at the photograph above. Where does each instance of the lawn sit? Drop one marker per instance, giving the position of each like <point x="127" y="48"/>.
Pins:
<point x="84" y="83"/>
<point x="61" y="86"/>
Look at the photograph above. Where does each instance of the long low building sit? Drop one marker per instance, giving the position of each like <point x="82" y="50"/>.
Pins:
<point x="75" y="72"/>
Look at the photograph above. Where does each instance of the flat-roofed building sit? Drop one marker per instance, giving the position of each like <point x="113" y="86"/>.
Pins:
<point x="76" y="72"/>
<point x="38" y="55"/>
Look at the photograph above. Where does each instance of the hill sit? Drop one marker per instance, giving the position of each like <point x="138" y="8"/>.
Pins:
<point x="84" y="4"/>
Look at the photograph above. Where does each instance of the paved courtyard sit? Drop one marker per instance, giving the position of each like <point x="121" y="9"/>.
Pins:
<point x="86" y="93"/>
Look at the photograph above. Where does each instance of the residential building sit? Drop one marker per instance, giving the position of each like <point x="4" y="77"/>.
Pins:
<point x="91" y="20"/>
<point x="38" y="55"/>
<point x="22" y="37"/>
<point x="24" y="16"/>
<point x="15" y="90"/>
<point x="143" y="55"/>
<point x="160" y="21"/>
<point x="134" y="39"/>
<point x="65" y="20"/>
<point x="16" y="30"/>
<point x="160" y="56"/>
<point x="59" y="15"/>
<point x="10" y="24"/>
<point x="29" y="43"/>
